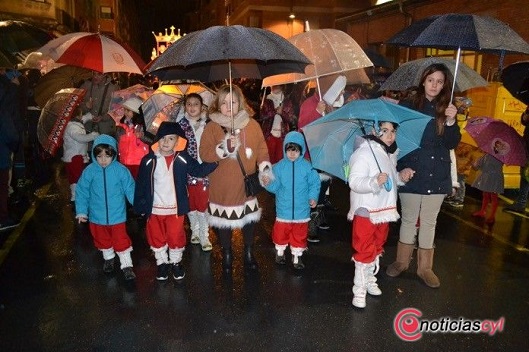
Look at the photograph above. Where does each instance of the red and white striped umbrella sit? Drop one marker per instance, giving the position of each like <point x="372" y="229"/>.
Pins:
<point x="93" y="51"/>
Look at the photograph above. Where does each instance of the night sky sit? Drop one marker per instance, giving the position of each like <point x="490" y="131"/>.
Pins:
<point x="155" y="16"/>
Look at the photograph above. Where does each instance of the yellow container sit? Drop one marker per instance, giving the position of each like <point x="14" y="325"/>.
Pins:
<point x="496" y="101"/>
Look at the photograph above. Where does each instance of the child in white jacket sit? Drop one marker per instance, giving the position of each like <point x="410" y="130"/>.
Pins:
<point x="75" y="148"/>
<point x="373" y="179"/>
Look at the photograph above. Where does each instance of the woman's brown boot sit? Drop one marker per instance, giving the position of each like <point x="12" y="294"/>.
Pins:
<point x="424" y="267"/>
<point x="404" y="253"/>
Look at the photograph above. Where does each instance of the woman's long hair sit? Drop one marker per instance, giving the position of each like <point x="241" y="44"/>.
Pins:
<point x="237" y="92"/>
<point x="441" y="101"/>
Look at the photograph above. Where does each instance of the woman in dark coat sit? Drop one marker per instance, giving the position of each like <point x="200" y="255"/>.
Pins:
<point x="422" y="197"/>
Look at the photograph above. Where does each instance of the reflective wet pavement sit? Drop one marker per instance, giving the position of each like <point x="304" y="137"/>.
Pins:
<point x="55" y="297"/>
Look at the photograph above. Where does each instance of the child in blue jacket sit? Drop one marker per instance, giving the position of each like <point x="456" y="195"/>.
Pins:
<point x="161" y="195"/>
<point x="296" y="186"/>
<point x="100" y="198"/>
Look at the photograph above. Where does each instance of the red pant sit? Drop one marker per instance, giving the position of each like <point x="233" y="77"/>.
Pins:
<point x="133" y="170"/>
<point x="368" y="239"/>
<point x="198" y="197"/>
<point x="293" y="233"/>
<point x="110" y="236"/>
<point x="166" y="229"/>
<point x="75" y="168"/>
<point x="275" y="148"/>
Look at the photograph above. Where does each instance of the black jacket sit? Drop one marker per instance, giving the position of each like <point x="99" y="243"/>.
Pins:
<point x="431" y="161"/>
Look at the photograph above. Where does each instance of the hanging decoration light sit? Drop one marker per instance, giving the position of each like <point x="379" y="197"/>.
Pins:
<point x="163" y="41"/>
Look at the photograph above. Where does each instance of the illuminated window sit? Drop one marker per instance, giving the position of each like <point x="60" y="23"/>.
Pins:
<point x="106" y="13"/>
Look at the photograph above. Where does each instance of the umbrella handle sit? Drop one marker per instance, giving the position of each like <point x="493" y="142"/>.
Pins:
<point x="388" y="185"/>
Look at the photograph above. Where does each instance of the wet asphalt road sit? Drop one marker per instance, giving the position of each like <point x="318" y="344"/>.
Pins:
<point x="55" y="297"/>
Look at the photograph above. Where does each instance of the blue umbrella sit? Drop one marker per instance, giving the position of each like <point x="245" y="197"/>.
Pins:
<point x="330" y="139"/>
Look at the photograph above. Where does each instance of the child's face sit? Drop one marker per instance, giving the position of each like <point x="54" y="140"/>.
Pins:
<point x="293" y="154"/>
<point x="193" y="108"/>
<point x="167" y="143"/>
<point x="103" y="159"/>
<point x="128" y="113"/>
<point x="226" y="106"/>
<point x="387" y="133"/>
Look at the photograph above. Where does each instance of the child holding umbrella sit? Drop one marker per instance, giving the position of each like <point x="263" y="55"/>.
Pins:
<point x="373" y="178"/>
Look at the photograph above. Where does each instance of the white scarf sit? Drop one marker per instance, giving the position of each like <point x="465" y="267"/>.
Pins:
<point x="239" y="121"/>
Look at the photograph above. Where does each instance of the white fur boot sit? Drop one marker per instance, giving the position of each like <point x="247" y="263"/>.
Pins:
<point x="204" y="232"/>
<point x="372" y="270"/>
<point x="360" y="285"/>
<point x="72" y="192"/>
<point x="194" y="226"/>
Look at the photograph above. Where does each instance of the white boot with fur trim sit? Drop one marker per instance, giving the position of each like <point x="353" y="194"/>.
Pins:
<point x="204" y="232"/>
<point x="72" y="192"/>
<point x="372" y="270"/>
<point x="194" y="225"/>
<point x="360" y="284"/>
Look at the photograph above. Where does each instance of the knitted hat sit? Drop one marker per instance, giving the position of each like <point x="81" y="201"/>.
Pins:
<point x="133" y="104"/>
<point x="167" y="127"/>
<point x="335" y="90"/>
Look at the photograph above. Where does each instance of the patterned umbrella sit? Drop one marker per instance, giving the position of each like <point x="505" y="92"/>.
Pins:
<point x="165" y="104"/>
<point x="93" y="51"/>
<point x="54" y="117"/>
<point x="115" y="108"/>
<point x="498" y="139"/>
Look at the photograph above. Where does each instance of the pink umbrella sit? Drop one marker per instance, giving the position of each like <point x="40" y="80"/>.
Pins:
<point x="120" y="96"/>
<point x="498" y="139"/>
<point x="95" y="52"/>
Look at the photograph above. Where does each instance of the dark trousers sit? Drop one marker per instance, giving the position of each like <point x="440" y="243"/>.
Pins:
<point x="248" y="233"/>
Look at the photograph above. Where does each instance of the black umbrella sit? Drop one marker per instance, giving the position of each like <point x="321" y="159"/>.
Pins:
<point x="223" y="52"/>
<point x="515" y="78"/>
<point x="17" y="39"/>
<point x="462" y="32"/>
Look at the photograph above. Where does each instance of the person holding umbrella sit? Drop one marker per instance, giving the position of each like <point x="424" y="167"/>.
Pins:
<point x="519" y="204"/>
<point x="234" y="140"/>
<point x="423" y="195"/>
<point x="373" y="178"/>
<point x="99" y="91"/>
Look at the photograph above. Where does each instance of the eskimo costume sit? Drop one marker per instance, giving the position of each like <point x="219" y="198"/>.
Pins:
<point x="161" y="195"/>
<point x="75" y="150"/>
<point x="229" y="207"/>
<point x="100" y="197"/>
<point x="372" y="207"/>
<point x="198" y="187"/>
<point x="294" y="184"/>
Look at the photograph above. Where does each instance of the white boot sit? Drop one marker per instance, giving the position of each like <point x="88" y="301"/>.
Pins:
<point x="360" y="285"/>
<point x="204" y="232"/>
<point x="126" y="264"/>
<point x="72" y="192"/>
<point x="372" y="270"/>
<point x="296" y="257"/>
<point x="194" y="225"/>
<point x="124" y="258"/>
